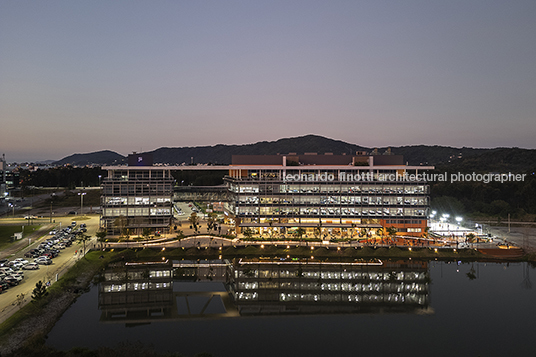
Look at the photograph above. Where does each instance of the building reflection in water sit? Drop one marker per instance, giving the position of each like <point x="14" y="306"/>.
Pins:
<point x="261" y="287"/>
<point x="137" y="291"/>
<point x="141" y="292"/>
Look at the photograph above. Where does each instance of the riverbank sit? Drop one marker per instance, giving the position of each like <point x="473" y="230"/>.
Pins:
<point x="23" y="333"/>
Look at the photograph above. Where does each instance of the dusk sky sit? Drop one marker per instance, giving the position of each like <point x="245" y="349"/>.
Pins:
<point x="83" y="76"/>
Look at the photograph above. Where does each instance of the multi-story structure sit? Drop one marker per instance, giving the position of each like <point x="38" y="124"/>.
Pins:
<point x="137" y="197"/>
<point x="327" y="195"/>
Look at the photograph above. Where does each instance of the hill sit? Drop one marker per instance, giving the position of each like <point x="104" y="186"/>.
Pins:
<point x="448" y="158"/>
<point x="221" y="154"/>
<point x="105" y="157"/>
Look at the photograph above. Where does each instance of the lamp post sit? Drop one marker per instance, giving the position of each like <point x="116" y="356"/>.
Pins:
<point x="81" y="194"/>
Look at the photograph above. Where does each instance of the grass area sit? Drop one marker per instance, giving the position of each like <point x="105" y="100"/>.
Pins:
<point x="6" y="232"/>
<point x="72" y="199"/>
<point x="75" y="279"/>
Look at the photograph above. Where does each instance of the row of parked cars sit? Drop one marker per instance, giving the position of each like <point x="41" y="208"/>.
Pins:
<point x="12" y="271"/>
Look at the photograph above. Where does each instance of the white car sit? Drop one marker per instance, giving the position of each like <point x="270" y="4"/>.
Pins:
<point x="17" y="277"/>
<point x="21" y="260"/>
<point x="43" y="260"/>
<point x="31" y="266"/>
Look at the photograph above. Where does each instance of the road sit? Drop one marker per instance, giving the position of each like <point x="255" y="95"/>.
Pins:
<point x="60" y="265"/>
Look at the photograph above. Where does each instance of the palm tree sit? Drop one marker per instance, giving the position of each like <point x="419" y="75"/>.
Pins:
<point x="194" y="221"/>
<point x="82" y="239"/>
<point x="300" y="232"/>
<point x="101" y="234"/>
<point x="318" y="230"/>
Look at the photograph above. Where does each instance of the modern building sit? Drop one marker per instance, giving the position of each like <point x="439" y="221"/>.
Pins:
<point x="327" y="195"/>
<point x="137" y="197"/>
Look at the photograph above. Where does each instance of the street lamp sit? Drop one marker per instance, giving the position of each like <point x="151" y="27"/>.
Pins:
<point x="81" y="194"/>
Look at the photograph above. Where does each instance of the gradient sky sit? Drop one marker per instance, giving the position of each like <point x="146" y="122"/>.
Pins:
<point x="83" y="76"/>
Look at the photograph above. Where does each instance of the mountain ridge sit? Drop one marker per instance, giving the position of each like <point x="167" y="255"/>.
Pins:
<point x="221" y="154"/>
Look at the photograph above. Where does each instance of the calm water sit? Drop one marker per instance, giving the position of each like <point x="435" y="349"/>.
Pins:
<point x="490" y="314"/>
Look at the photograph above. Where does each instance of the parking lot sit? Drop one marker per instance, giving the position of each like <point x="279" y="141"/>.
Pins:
<point x="53" y="254"/>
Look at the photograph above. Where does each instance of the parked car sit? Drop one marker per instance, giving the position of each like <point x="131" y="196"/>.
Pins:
<point x="11" y="281"/>
<point x="43" y="260"/>
<point x="31" y="266"/>
<point x="16" y="276"/>
<point x="21" y="260"/>
<point x="6" y="270"/>
<point x="30" y="253"/>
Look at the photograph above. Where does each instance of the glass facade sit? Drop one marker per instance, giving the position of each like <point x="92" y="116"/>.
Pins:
<point x="142" y="197"/>
<point x="340" y="199"/>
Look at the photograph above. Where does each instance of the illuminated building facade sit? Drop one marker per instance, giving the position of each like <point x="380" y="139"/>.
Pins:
<point x="137" y="197"/>
<point x="327" y="195"/>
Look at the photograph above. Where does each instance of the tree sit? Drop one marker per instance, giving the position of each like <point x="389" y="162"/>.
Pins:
<point x="82" y="239"/>
<point x="211" y="221"/>
<point x="392" y="233"/>
<point x="146" y="232"/>
<point x="248" y="233"/>
<point x="194" y="221"/>
<point x="318" y="230"/>
<point x="101" y="234"/>
<point x="299" y="233"/>
<point x="19" y="300"/>
<point x="40" y="291"/>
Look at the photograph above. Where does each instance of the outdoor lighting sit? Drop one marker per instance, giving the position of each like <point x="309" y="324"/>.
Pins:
<point x="81" y="194"/>
<point x="435" y="250"/>
<point x="288" y="246"/>
<point x="409" y="249"/>
<point x="262" y="246"/>
<point x="312" y="248"/>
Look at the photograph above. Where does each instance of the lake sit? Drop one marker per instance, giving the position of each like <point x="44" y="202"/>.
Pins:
<point x="285" y="308"/>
